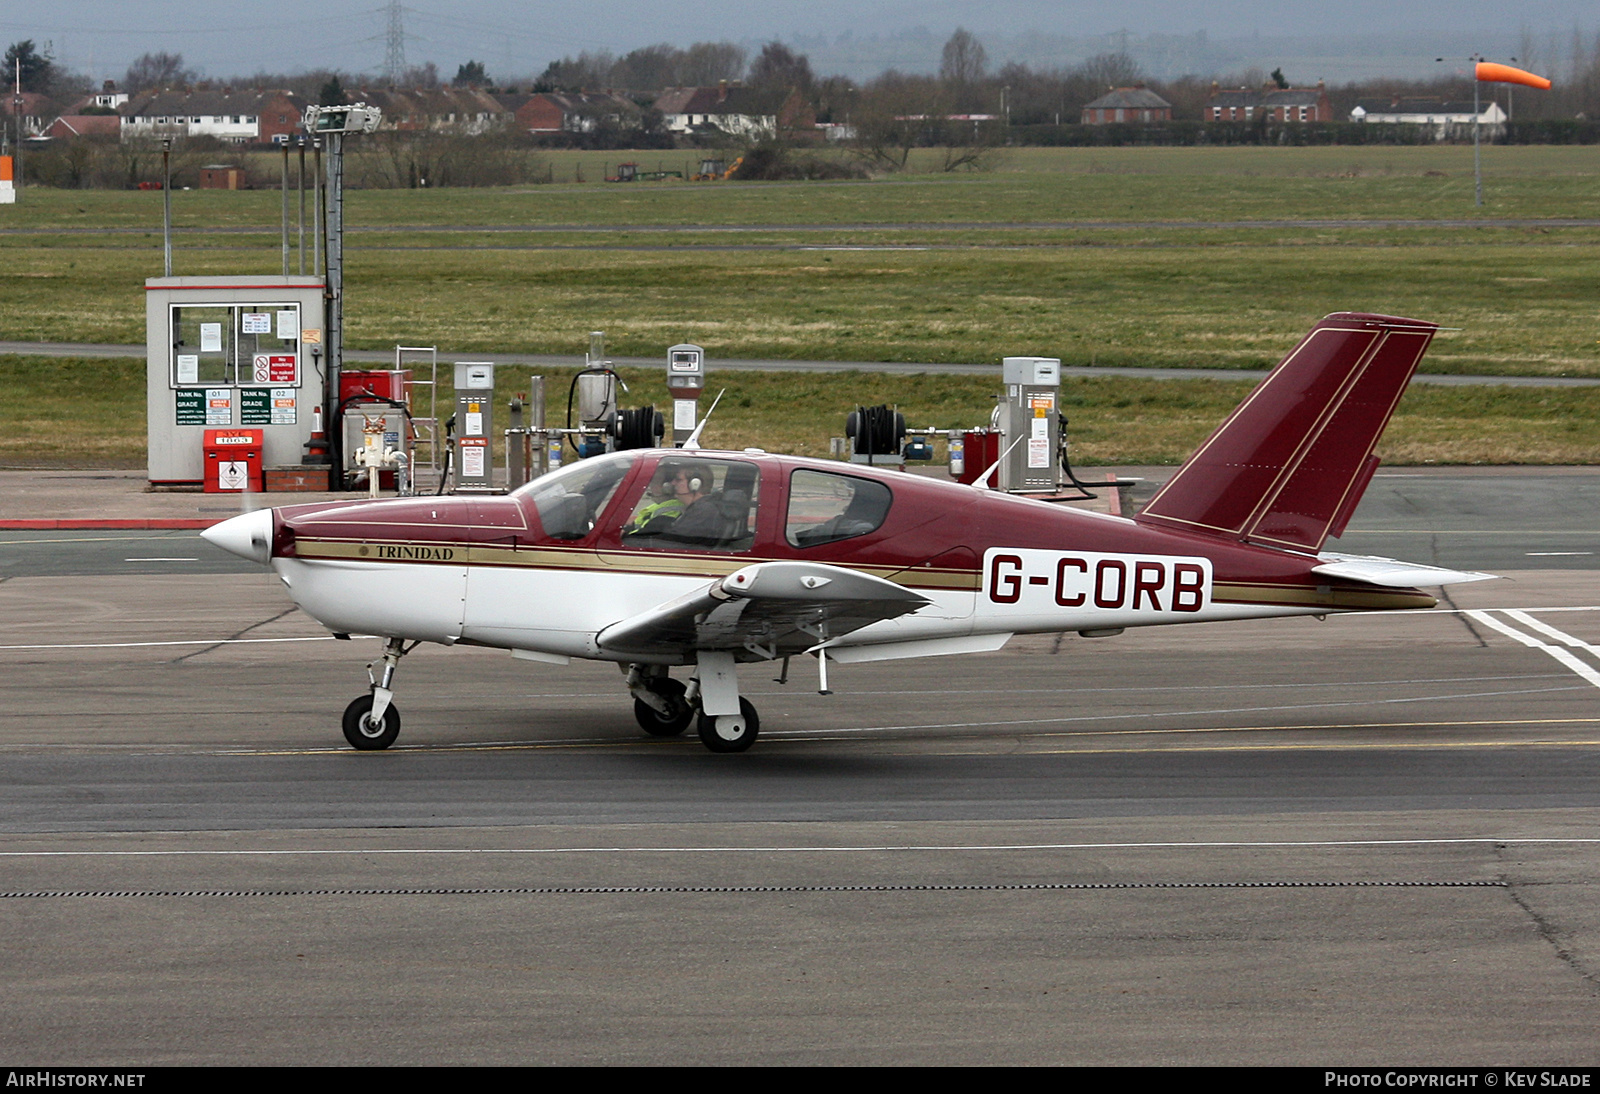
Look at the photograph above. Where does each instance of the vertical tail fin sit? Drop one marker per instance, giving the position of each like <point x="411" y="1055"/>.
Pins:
<point x="1290" y="463"/>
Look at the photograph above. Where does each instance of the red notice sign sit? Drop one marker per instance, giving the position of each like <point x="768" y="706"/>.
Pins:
<point x="276" y="368"/>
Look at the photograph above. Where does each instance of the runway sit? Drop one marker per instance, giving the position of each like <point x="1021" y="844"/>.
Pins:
<point x="1370" y="840"/>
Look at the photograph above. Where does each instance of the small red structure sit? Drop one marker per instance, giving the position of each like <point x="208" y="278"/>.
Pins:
<point x="233" y="460"/>
<point x="223" y="176"/>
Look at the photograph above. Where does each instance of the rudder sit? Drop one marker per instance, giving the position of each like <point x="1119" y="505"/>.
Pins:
<point x="1288" y="466"/>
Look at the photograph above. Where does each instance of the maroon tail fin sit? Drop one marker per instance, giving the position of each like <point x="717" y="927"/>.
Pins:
<point x="1288" y="466"/>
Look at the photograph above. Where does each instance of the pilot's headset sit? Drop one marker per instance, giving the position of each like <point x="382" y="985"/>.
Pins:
<point x="699" y="478"/>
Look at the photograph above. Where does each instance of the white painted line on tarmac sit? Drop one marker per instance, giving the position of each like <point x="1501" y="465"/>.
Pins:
<point x="831" y="849"/>
<point x="1544" y="628"/>
<point x="185" y="642"/>
<point x="1531" y="642"/>
<point x="161" y="560"/>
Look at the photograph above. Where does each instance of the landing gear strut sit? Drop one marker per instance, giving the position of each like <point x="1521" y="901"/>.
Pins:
<point x="372" y="722"/>
<point x="728" y="721"/>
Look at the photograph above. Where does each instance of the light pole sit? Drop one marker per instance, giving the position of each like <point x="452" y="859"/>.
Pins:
<point x="16" y="109"/>
<point x="333" y="122"/>
<point x="166" y="205"/>
<point x="283" y="186"/>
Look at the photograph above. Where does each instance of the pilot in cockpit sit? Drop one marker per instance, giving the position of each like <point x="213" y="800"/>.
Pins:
<point x="690" y="513"/>
<point x="661" y="507"/>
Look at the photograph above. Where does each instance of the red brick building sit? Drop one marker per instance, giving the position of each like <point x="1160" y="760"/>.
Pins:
<point x="1128" y="106"/>
<point x="1287" y="104"/>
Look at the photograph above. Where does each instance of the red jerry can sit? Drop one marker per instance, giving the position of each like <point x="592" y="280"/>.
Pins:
<point x="233" y="460"/>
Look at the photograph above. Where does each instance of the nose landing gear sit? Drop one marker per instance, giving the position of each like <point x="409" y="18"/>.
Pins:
<point x="372" y="722"/>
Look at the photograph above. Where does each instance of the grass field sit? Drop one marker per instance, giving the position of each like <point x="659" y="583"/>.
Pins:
<point x="90" y="412"/>
<point x="1210" y="257"/>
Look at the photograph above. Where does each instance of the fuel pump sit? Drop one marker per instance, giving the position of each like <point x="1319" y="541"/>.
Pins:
<point x="686" y="379"/>
<point x="474" y="458"/>
<point x="1029" y="423"/>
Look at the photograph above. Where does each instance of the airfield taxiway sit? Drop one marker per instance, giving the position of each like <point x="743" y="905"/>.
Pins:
<point x="1370" y="840"/>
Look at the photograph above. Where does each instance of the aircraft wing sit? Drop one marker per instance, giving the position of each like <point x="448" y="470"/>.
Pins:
<point x="769" y="609"/>
<point x="1391" y="573"/>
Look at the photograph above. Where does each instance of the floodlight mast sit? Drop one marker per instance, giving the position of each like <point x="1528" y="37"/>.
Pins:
<point x="334" y="122"/>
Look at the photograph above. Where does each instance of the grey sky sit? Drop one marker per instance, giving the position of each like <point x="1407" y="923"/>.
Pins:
<point x="515" y="39"/>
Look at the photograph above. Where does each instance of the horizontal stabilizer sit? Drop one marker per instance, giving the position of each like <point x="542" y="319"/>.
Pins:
<point x="1289" y="465"/>
<point x="1392" y="574"/>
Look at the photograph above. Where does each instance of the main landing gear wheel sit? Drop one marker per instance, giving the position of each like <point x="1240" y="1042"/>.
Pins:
<point x="364" y="733"/>
<point x="730" y="732"/>
<point x="653" y="722"/>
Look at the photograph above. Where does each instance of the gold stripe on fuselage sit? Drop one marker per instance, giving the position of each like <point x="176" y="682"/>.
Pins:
<point x="579" y="558"/>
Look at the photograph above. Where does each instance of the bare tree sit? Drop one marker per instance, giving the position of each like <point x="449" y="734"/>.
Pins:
<point x="964" y="61"/>
<point x="157" y="70"/>
<point x="423" y="77"/>
<point x="708" y="62"/>
<point x="647" y="69"/>
<point x="1111" y="70"/>
<point x="586" y="71"/>
<point x="894" y="114"/>
<point x="779" y="68"/>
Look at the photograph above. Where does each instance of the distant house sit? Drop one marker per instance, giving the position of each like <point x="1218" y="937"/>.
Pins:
<point x="68" y="126"/>
<point x="238" y="117"/>
<point x="734" y="110"/>
<point x="31" y="109"/>
<point x="1128" y="105"/>
<point x="108" y="97"/>
<point x="570" y="111"/>
<point x="1447" y="119"/>
<point x="1288" y="104"/>
<point x="464" y="110"/>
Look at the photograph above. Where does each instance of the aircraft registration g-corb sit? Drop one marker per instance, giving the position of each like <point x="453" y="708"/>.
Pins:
<point x="661" y="558"/>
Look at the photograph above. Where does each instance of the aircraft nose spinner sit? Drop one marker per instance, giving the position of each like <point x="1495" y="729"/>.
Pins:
<point x="248" y="535"/>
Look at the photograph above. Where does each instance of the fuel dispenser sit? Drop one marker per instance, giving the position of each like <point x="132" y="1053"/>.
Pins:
<point x="686" y="379"/>
<point x="474" y="459"/>
<point x="1029" y="423"/>
<point x="602" y="425"/>
<point x="373" y="413"/>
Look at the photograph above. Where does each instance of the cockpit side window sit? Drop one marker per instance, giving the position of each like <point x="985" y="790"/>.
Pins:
<point x="825" y="508"/>
<point x="570" y="500"/>
<point x="696" y="504"/>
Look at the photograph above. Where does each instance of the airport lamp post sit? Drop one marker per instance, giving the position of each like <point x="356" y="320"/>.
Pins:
<point x="283" y="187"/>
<point x="16" y="109"/>
<point x="333" y="122"/>
<point x="166" y="205"/>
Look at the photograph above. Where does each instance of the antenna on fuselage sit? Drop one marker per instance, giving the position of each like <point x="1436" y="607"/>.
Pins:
<point x="982" y="481"/>
<point x="694" y="438"/>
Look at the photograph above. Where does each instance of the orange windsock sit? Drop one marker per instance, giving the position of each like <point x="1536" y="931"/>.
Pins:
<point x="1489" y="72"/>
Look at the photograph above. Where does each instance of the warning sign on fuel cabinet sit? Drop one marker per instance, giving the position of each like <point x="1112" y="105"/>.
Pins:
<point x="276" y="368"/>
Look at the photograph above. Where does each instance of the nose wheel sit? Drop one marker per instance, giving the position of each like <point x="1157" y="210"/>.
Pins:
<point x="365" y="732"/>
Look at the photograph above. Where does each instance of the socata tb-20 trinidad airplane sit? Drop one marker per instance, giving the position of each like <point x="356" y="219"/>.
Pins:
<point x="661" y="558"/>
